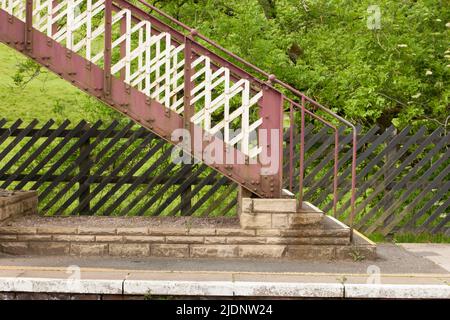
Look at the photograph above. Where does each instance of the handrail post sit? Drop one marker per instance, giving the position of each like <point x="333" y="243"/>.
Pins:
<point x="188" y="86"/>
<point x="302" y="154"/>
<point x="29" y="26"/>
<point x="353" y="195"/>
<point x="107" y="49"/>
<point x="335" y="171"/>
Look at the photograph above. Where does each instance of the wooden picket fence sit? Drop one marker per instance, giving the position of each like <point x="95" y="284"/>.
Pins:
<point x="113" y="169"/>
<point x="402" y="178"/>
<point x="121" y="169"/>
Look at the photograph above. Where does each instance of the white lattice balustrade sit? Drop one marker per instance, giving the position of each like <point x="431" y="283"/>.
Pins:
<point x="151" y="63"/>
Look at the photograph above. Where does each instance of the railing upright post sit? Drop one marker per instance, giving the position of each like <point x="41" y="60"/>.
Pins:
<point x="29" y="26"/>
<point x="335" y="171"/>
<point x="353" y="195"/>
<point x="291" y="146"/>
<point x="188" y="85"/>
<point x="186" y="197"/>
<point x="107" y="49"/>
<point x="302" y="154"/>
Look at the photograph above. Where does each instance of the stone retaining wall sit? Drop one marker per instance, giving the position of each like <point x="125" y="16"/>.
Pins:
<point x="15" y="203"/>
<point x="309" y="242"/>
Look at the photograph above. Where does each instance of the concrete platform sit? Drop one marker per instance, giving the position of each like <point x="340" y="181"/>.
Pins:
<point x="397" y="274"/>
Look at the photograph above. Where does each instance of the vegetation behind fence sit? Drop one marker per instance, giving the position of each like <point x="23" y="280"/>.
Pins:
<point x="122" y="169"/>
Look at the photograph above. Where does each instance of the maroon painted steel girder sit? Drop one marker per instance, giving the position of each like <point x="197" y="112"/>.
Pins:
<point x="125" y="99"/>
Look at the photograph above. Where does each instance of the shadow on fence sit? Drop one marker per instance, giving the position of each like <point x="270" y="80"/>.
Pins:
<point x="121" y="169"/>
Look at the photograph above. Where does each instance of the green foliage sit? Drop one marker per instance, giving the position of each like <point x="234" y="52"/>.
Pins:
<point x="28" y="91"/>
<point x="412" y="238"/>
<point x="398" y="74"/>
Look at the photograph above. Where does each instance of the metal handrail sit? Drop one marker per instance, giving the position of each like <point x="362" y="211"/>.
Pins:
<point x="273" y="80"/>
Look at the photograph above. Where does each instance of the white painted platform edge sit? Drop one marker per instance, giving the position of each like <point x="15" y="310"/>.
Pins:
<point x="51" y="285"/>
<point x="225" y="288"/>
<point x="228" y="288"/>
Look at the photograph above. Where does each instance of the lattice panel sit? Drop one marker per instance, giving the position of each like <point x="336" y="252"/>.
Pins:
<point x="149" y="61"/>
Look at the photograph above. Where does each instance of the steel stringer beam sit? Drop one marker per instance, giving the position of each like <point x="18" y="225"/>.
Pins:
<point x="125" y="99"/>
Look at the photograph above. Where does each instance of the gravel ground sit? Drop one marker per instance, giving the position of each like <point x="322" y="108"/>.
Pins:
<point x="118" y="222"/>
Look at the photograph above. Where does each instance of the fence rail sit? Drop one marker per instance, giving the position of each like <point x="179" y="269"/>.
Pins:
<point x="107" y="169"/>
<point x="121" y="169"/>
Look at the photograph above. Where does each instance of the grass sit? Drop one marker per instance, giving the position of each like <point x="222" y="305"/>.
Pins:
<point x="46" y="96"/>
<point x="411" y="238"/>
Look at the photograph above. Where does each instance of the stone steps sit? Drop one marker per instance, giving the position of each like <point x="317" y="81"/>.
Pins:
<point x="326" y="240"/>
<point x="267" y="228"/>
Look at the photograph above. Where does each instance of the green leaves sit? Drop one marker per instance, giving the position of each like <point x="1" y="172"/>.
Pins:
<point x="397" y="74"/>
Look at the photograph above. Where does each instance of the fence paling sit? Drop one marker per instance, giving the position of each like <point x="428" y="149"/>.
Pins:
<point x="86" y="182"/>
<point x="126" y="170"/>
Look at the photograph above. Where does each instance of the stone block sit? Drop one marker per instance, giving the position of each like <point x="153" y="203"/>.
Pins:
<point x="280" y="221"/>
<point x="18" y="230"/>
<point x="215" y="240"/>
<point x="168" y="231"/>
<point x="262" y="251"/>
<point x="144" y="239"/>
<point x="234" y="232"/>
<point x="170" y="250"/>
<point x="14" y="248"/>
<point x="202" y="232"/>
<point x="74" y="238"/>
<point x="302" y="219"/>
<point x="268" y="232"/>
<point x="132" y="231"/>
<point x="129" y="250"/>
<point x="186" y="239"/>
<point x="88" y="249"/>
<point x="34" y="237"/>
<point x="4" y="237"/>
<point x="108" y="238"/>
<point x="49" y="248"/>
<point x="246" y="205"/>
<point x="246" y="240"/>
<point x="257" y="221"/>
<point x="214" y="251"/>
<point x="308" y="252"/>
<point x="57" y="230"/>
<point x="275" y="205"/>
<point x="96" y="231"/>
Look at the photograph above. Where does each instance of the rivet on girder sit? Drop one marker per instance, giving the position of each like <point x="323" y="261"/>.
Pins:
<point x="148" y="100"/>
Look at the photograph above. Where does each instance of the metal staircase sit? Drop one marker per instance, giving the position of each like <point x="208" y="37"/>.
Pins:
<point x="167" y="76"/>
